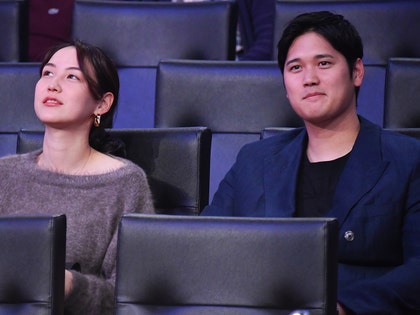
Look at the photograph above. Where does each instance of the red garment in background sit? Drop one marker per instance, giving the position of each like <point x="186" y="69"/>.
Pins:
<point x="49" y="24"/>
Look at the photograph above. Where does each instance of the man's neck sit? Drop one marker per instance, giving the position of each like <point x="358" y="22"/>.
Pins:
<point x="332" y="141"/>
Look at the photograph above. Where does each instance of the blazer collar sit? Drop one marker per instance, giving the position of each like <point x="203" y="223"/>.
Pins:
<point x="362" y="171"/>
<point x="280" y="177"/>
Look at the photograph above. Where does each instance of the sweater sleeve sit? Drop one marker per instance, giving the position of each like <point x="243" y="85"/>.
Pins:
<point x="94" y="294"/>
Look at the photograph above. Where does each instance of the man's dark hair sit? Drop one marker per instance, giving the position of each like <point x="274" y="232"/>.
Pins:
<point x="339" y="32"/>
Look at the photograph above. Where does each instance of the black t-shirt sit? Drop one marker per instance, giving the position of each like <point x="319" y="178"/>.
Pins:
<point x="316" y="186"/>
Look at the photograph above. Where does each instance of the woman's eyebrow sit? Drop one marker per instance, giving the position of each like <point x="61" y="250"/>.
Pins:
<point x="68" y="68"/>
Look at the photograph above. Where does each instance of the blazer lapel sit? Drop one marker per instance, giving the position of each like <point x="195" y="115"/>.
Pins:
<point x="362" y="171"/>
<point x="280" y="177"/>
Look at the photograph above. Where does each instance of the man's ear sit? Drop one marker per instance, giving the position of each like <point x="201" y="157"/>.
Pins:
<point x="358" y="72"/>
<point x="104" y="105"/>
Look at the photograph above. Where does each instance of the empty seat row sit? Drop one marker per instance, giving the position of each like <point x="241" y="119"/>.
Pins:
<point x="183" y="265"/>
<point x="374" y="19"/>
<point x="133" y="33"/>
<point x="142" y="33"/>
<point x="225" y="96"/>
<point x="230" y="266"/>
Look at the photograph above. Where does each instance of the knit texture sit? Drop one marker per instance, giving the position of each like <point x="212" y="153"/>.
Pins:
<point x="93" y="205"/>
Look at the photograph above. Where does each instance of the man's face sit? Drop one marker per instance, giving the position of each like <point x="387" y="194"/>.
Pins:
<point x="317" y="80"/>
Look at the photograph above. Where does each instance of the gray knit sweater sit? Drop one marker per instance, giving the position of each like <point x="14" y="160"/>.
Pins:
<point x="93" y="205"/>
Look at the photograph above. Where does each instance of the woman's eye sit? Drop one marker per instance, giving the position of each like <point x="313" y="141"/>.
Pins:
<point x="324" y="63"/>
<point x="73" y="77"/>
<point x="46" y="73"/>
<point x="294" y="67"/>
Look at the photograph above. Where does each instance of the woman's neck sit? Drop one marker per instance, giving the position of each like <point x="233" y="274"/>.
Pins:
<point x="65" y="152"/>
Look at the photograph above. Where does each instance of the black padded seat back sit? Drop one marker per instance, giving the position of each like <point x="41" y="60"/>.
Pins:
<point x="272" y="131"/>
<point x="176" y="161"/>
<point x="412" y="132"/>
<point x="14" y="30"/>
<point x="17" y="86"/>
<point x="226" y="96"/>
<point x="32" y="264"/>
<point x="142" y="33"/>
<point x="387" y="28"/>
<point x="233" y="97"/>
<point x="402" y="93"/>
<point x="225" y="265"/>
<point x="236" y="100"/>
<point x="29" y="140"/>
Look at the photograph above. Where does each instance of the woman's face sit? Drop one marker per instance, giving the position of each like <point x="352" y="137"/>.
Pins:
<point x="62" y="96"/>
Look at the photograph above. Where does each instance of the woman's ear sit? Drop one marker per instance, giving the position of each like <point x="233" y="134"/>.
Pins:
<point x="104" y="105"/>
<point x="358" y="72"/>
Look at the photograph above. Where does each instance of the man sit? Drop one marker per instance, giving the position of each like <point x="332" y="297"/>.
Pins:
<point x="340" y="165"/>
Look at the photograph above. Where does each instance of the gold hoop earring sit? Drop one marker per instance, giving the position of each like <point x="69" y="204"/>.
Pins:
<point x="97" y="120"/>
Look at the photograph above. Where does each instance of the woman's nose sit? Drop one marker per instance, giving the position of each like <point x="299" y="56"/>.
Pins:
<point x="54" y="85"/>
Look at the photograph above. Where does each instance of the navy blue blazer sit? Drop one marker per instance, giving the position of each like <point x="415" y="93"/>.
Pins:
<point x="377" y="200"/>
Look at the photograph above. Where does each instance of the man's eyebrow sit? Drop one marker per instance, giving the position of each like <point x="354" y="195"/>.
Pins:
<point x="320" y="56"/>
<point x="292" y="61"/>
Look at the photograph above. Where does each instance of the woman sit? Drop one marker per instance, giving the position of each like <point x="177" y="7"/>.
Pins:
<point x="75" y="172"/>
